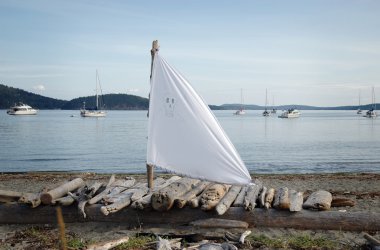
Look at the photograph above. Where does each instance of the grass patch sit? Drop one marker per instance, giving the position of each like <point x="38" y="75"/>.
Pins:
<point x="136" y="242"/>
<point x="75" y="243"/>
<point x="308" y="242"/>
<point x="298" y="242"/>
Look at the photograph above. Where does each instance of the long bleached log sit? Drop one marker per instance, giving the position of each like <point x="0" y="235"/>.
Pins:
<point x="60" y="191"/>
<point x="252" y="195"/>
<point x="9" y="196"/>
<point x="320" y="200"/>
<point x="13" y="213"/>
<point x="269" y="198"/>
<point x="212" y="195"/>
<point x="145" y="201"/>
<point x="281" y="198"/>
<point x="227" y="200"/>
<point x="239" y="201"/>
<point x="295" y="201"/>
<point x="164" y="199"/>
<point x="113" y="187"/>
<point x="219" y="223"/>
<point x="262" y="196"/>
<point x="191" y="194"/>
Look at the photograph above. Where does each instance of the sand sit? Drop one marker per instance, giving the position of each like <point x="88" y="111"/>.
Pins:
<point x="364" y="188"/>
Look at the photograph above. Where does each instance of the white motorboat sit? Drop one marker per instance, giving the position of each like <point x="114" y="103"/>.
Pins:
<point x="21" y="109"/>
<point x="96" y="111"/>
<point x="290" y="113"/>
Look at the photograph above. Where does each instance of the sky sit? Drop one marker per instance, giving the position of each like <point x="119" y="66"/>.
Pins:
<point x="321" y="53"/>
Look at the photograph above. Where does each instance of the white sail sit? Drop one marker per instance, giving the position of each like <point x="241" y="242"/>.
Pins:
<point x="183" y="134"/>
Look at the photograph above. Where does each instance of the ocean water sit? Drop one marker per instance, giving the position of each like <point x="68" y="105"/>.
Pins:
<point x="317" y="142"/>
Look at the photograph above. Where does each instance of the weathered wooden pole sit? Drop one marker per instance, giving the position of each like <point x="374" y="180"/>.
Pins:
<point x="149" y="167"/>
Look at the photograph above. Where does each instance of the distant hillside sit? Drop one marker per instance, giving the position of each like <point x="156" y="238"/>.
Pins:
<point x="9" y="96"/>
<point x="300" y="107"/>
<point x="111" y="102"/>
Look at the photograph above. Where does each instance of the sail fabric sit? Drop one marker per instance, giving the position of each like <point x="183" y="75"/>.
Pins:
<point x="184" y="136"/>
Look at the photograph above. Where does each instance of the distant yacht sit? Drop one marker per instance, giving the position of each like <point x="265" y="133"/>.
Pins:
<point x="21" y="109"/>
<point x="241" y="111"/>
<point x="290" y="113"/>
<point x="94" y="112"/>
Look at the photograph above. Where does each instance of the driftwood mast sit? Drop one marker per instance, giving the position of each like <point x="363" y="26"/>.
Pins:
<point x="149" y="167"/>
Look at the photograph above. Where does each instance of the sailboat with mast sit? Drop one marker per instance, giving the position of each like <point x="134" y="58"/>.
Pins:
<point x="184" y="136"/>
<point x="359" y="110"/>
<point x="97" y="111"/>
<point x="372" y="112"/>
<point x="274" y="110"/>
<point x="266" y="112"/>
<point x="241" y="111"/>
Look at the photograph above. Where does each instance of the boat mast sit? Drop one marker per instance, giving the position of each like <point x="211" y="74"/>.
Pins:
<point x="96" y="89"/>
<point x="242" y="99"/>
<point x="149" y="167"/>
<point x="266" y="99"/>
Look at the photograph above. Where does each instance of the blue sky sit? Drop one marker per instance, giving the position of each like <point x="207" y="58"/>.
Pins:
<point x="305" y="52"/>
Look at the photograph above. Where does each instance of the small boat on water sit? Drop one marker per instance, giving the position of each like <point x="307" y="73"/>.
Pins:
<point x="21" y="109"/>
<point x="240" y="111"/>
<point x="372" y="112"/>
<point x="290" y="113"/>
<point x="96" y="111"/>
<point x="359" y="110"/>
<point x="266" y="112"/>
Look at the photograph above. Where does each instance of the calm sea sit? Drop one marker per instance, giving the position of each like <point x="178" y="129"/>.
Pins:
<point x="318" y="141"/>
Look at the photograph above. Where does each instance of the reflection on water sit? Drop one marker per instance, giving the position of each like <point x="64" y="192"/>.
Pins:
<point x="318" y="141"/>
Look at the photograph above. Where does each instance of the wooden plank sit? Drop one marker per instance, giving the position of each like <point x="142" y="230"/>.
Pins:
<point x="305" y="219"/>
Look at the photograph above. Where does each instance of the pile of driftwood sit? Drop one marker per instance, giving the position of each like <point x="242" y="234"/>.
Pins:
<point x="175" y="192"/>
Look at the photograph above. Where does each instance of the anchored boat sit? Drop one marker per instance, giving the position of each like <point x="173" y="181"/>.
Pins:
<point x="21" y="109"/>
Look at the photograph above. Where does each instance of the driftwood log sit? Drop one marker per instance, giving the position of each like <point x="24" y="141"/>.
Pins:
<point x="227" y="200"/>
<point x="305" y="219"/>
<point x="281" y="198"/>
<point x="212" y="195"/>
<point x="239" y="201"/>
<point x="164" y="199"/>
<point x="60" y="191"/>
<point x="145" y="201"/>
<point x="269" y="198"/>
<point x="191" y="194"/>
<point x="9" y="196"/>
<point x="253" y="192"/>
<point x="342" y="202"/>
<point x="113" y="187"/>
<point x="219" y="223"/>
<point x="320" y="200"/>
<point x="262" y="196"/>
<point x="295" y="201"/>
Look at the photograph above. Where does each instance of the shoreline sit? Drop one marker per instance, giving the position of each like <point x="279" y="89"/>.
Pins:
<point x="363" y="188"/>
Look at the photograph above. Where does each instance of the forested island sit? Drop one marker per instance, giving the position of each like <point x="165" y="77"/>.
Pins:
<point x="9" y="96"/>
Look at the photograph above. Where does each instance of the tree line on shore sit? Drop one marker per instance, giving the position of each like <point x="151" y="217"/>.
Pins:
<point x="9" y="96"/>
